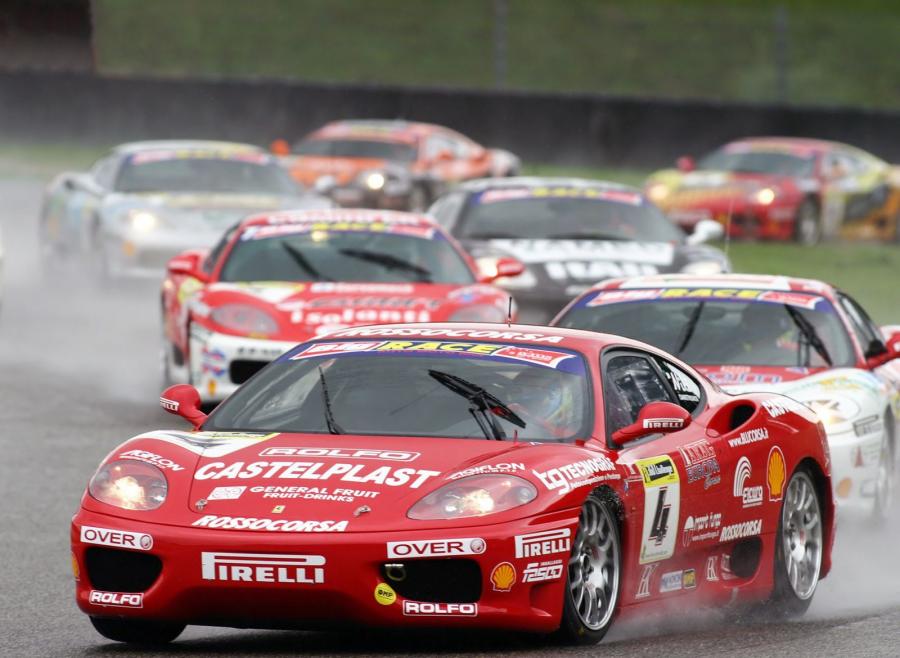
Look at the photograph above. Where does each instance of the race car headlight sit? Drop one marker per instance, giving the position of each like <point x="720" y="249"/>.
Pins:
<point x="704" y="267"/>
<point x="765" y="196"/>
<point x="244" y="319"/>
<point x="374" y="180"/>
<point x="129" y="484"/>
<point x="479" y="313"/>
<point x="476" y="495"/>
<point x="487" y="266"/>
<point x="658" y="191"/>
<point x="142" y="221"/>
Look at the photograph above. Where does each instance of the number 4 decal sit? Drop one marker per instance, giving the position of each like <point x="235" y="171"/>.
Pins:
<point x="662" y="495"/>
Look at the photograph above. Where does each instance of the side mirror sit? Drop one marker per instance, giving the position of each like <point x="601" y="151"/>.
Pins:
<point x="493" y="269"/>
<point x="188" y="264"/>
<point x="685" y="163"/>
<point x="891" y="335"/>
<point x="654" y="418"/>
<point x="706" y="230"/>
<point x="183" y="400"/>
<point x="280" y="147"/>
<point x="325" y="184"/>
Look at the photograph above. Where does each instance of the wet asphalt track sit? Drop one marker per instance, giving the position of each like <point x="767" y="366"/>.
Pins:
<point x="78" y="374"/>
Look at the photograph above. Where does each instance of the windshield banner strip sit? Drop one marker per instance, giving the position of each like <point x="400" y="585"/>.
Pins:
<point x="510" y="194"/>
<point x="800" y="300"/>
<point x="532" y="355"/>
<point x="280" y="230"/>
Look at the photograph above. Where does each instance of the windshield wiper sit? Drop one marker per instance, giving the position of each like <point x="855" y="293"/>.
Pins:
<point x="809" y="332"/>
<point x="586" y="235"/>
<point x="333" y="427"/>
<point x="689" y="328"/>
<point x="490" y="236"/>
<point x="304" y="263"/>
<point x="484" y="405"/>
<point x="389" y="261"/>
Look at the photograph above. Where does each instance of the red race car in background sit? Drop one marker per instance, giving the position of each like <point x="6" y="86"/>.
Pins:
<point x="784" y="189"/>
<point x="402" y="165"/>
<point x="276" y="279"/>
<point x="457" y="475"/>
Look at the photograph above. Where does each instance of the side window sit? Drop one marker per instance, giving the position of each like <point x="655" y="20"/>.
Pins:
<point x="209" y="263"/>
<point x="446" y="209"/>
<point x="866" y="331"/>
<point x="104" y="171"/>
<point x="686" y="388"/>
<point x="630" y="382"/>
<point x="436" y="144"/>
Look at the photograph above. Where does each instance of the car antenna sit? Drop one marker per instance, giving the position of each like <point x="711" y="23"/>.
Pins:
<point x="509" y="313"/>
<point x="728" y="226"/>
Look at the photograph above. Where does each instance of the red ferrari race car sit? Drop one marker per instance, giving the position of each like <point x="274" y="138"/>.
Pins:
<point x="784" y="188"/>
<point x="456" y="475"/>
<point x="276" y="279"/>
<point x="390" y="164"/>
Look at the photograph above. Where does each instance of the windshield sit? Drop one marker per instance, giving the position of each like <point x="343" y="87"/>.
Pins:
<point x="358" y="148"/>
<point x="779" y="163"/>
<point x="564" y="213"/>
<point x="326" y="252"/>
<point x="722" y="327"/>
<point x="433" y="388"/>
<point x="252" y="174"/>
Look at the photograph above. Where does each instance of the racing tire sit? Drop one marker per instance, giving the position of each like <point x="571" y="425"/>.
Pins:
<point x="593" y="574"/>
<point x="884" y="485"/>
<point x="98" y="260"/>
<point x="798" y="548"/>
<point x="419" y="199"/>
<point x="137" y="631"/>
<point x="808" y="223"/>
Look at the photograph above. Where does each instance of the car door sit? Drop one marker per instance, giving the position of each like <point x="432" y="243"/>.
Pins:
<point x="631" y="379"/>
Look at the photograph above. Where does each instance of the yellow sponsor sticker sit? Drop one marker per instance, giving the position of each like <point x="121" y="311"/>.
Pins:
<point x="385" y="594"/>
<point x="658" y="471"/>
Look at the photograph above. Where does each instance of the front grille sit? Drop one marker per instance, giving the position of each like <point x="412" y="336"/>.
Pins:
<point x="243" y="369"/>
<point x="435" y="581"/>
<point x="112" y="570"/>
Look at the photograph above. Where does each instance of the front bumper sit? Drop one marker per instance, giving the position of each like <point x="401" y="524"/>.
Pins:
<point x="219" y="363"/>
<point x="130" y="255"/>
<point x="774" y="222"/>
<point x="252" y="579"/>
<point x="854" y="470"/>
<point x="357" y="196"/>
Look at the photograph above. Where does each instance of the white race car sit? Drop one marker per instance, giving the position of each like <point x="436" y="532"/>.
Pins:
<point x="145" y="202"/>
<point x="798" y="337"/>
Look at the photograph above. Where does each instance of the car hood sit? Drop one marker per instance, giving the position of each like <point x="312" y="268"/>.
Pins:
<point x="841" y="396"/>
<point x="304" y="310"/>
<point x="209" y="212"/>
<point x="569" y="267"/>
<point x="320" y="482"/>
<point x="307" y="169"/>
<point x="710" y="186"/>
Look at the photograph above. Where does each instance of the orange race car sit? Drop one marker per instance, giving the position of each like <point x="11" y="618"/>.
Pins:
<point x="389" y="164"/>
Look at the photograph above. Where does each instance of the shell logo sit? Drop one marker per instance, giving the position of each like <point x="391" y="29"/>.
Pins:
<point x="503" y="577"/>
<point x="775" y="473"/>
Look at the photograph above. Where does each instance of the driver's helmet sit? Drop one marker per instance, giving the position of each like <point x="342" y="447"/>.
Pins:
<point x="550" y="397"/>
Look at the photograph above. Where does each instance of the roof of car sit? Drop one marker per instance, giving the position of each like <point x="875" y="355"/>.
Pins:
<point x="512" y="333"/>
<point x="481" y="184"/>
<point x="358" y="215"/>
<point x="732" y="281"/>
<point x="181" y="144"/>
<point x="798" y="144"/>
<point x="381" y="129"/>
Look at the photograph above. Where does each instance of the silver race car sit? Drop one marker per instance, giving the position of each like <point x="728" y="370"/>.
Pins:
<point x="145" y="202"/>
